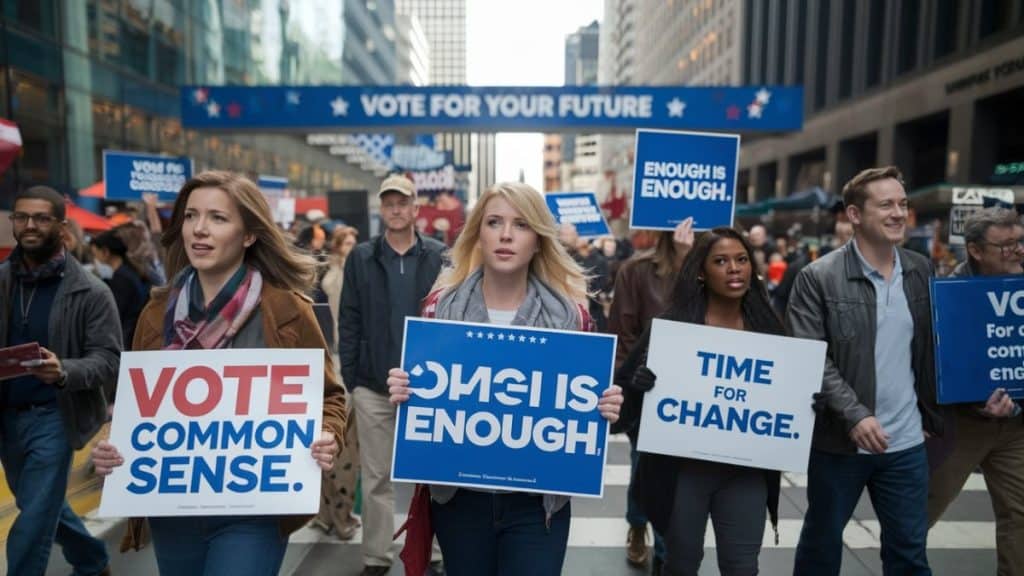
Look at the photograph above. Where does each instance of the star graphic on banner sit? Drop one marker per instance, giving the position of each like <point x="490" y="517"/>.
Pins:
<point x="469" y="333"/>
<point x="213" y="109"/>
<point x="732" y="112"/>
<point x="293" y="97"/>
<point x="480" y="335"/>
<point x="199" y="95"/>
<point x="763" y="96"/>
<point x="543" y="340"/>
<point x="533" y="339"/>
<point x="522" y="338"/>
<point x="339" y="107"/>
<point x="754" y="110"/>
<point x="490" y="335"/>
<point x="501" y="336"/>
<point x="676" y="107"/>
<point x="234" y="110"/>
<point x="511" y="337"/>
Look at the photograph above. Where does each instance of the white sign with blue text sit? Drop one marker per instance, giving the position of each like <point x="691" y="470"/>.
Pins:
<point x="216" y="432"/>
<point x="503" y="408"/>
<point x="979" y="337"/>
<point x="678" y="175"/>
<point x="129" y="175"/>
<point x="579" y="209"/>
<point x="731" y="396"/>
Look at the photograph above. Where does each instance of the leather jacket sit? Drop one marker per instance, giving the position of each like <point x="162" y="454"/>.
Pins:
<point x="834" y="301"/>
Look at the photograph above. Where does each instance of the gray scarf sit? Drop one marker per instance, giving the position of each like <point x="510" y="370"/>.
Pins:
<point x="542" y="308"/>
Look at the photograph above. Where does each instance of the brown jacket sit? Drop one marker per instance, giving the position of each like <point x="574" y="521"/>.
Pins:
<point x="640" y="296"/>
<point x="288" y="322"/>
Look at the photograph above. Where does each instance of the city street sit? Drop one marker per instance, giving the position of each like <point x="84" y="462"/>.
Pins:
<point x="962" y="544"/>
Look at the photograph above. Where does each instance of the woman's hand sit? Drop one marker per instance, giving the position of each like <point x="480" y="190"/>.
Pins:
<point x="324" y="450"/>
<point x="398" y="386"/>
<point x="105" y="458"/>
<point x="610" y="404"/>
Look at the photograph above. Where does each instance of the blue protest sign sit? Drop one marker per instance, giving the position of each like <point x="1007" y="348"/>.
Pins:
<point x="979" y="337"/>
<point x="273" y="186"/>
<point x="503" y="407"/>
<point x="682" y="174"/>
<point x="579" y="209"/>
<point x="494" y="108"/>
<point x="129" y="175"/>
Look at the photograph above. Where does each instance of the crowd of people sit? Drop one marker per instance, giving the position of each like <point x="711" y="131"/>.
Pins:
<point x="220" y="273"/>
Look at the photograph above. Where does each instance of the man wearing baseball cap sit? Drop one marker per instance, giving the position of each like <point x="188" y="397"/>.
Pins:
<point x="385" y="280"/>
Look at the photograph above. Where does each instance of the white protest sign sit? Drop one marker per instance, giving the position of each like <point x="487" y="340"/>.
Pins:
<point x="216" y="432"/>
<point x="731" y="396"/>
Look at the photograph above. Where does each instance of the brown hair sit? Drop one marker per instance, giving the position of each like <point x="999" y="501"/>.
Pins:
<point x="855" y="192"/>
<point x="272" y="253"/>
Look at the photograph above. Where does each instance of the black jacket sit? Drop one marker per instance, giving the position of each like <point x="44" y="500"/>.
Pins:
<point x="834" y="301"/>
<point x="364" y="313"/>
<point x="85" y="334"/>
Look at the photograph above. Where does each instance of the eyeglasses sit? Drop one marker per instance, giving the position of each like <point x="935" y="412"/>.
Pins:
<point x="1008" y="248"/>
<point x="41" y="219"/>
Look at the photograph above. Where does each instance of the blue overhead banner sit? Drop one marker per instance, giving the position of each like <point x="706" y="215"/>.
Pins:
<point x="493" y="109"/>
<point x="129" y="175"/>
<point x="503" y="408"/>
<point x="979" y="337"/>
<point x="579" y="209"/>
<point x="678" y="175"/>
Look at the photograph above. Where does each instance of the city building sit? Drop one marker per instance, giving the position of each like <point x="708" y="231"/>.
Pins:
<point x="413" y="51"/>
<point x="933" y="87"/>
<point x="552" y="162"/>
<point x="689" y="42"/>
<point x="85" y="76"/>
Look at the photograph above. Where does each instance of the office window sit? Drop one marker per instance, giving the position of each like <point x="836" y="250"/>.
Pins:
<point x="846" y="49"/>
<point x="876" y="29"/>
<point x="907" y="35"/>
<point x="821" y="55"/>
<point x="994" y="17"/>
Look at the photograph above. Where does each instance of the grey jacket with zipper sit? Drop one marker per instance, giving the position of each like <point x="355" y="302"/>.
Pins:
<point x="85" y="333"/>
<point x="832" y="300"/>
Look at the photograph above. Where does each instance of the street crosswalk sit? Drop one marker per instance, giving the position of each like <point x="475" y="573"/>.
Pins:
<point x="962" y="543"/>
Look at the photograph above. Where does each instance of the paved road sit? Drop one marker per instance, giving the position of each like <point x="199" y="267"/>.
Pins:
<point x="962" y="544"/>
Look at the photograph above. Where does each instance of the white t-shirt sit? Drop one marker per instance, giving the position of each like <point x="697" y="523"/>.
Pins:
<point x="503" y="317"/>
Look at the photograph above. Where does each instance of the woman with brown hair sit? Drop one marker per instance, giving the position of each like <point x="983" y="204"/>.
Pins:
<point x="235" y="282"/>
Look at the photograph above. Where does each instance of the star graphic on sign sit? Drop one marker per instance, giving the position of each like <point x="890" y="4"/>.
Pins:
<point x="479" y="334"/>
<point x="501" y="336"/>
<point x="200" y="95"/>
<point x="676" y="107"/>
<point x="339" y="107"/>
<point x="754" y="110"/>
<point x="234" y="110"/>
<point x="533" y="339"/>
<point x="490" y="335"/>
<point x="213" y="109"/>
<point x="522" y="338"/>
<point x="763" y="96"/>
<point x="543" y="340"/>
<point x="293" y="97"/>
<point x="469" y="333"/>
<point x="732" y="112"/>
<point x="511" y="337"/>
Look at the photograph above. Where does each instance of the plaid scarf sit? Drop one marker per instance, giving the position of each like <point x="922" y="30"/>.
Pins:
<point x="219" y="324"/>
<point x="52" y="268"/>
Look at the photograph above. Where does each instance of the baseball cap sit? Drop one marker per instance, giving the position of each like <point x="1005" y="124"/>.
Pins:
<point x="397" y="183"/>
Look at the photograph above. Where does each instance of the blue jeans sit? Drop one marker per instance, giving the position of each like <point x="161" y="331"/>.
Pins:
<point x="218" y="545"/>
<point x="481" y="533"/>
<point x="898" y="486"/>
<point x="36" y="458"/>
<point x="634" y="516"/>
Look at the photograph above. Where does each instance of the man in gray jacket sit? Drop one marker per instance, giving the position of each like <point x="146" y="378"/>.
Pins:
<point x="61" y="402"/>
<point x="869" y="300"/>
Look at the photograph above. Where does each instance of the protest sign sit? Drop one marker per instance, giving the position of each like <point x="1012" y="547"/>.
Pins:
<point x="979" y="337"/>
<point x="503" y="407"/>
<point x="216" y="432"/>
<point x="731" y="396"/>
<point x="682" y="174"/>
<point x="579" y="209"/>
<point x="129" y="175"/>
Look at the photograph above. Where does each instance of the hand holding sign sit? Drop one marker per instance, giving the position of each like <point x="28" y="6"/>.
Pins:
<point x="398" y="386"/>
<point x="106" y="457"/>
<point x="682" y="236"/>
<point x="324" y="450"/>
<point x="999" y="404"/>
<point x="610" y="404"/>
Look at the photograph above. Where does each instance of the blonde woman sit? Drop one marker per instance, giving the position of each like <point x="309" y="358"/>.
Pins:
<point x="234" y="283"/>
<point x="507" y="268"/>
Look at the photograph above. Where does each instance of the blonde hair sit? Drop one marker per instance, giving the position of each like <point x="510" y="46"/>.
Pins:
<point x="551" y="264"/>
<point x="272" y="254"/>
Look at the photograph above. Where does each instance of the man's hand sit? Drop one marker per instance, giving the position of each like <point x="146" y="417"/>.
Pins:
<point x="999" y="404"/>
<point x="868" y="435"/>
<point x="48" y="368"/>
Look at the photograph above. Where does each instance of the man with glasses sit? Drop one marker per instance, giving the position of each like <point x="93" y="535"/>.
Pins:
<point x="60" y="403"/>
<point x="989" y="435"/>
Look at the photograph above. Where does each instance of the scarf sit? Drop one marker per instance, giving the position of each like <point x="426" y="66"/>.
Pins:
<point x="216" y="327"/>
<point x="52" y="268"/>
<point x="542" y="308"/>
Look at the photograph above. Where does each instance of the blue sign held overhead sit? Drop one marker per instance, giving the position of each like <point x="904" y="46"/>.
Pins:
<point x="678" y="175"/>
<point x="979" y="337"/>
<point x="129" y="175"/>
<point x="494" y="108"/>
<point x="272" y="186"/>
<point x="579" y="209"/>
<point x="503" y="408"/>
